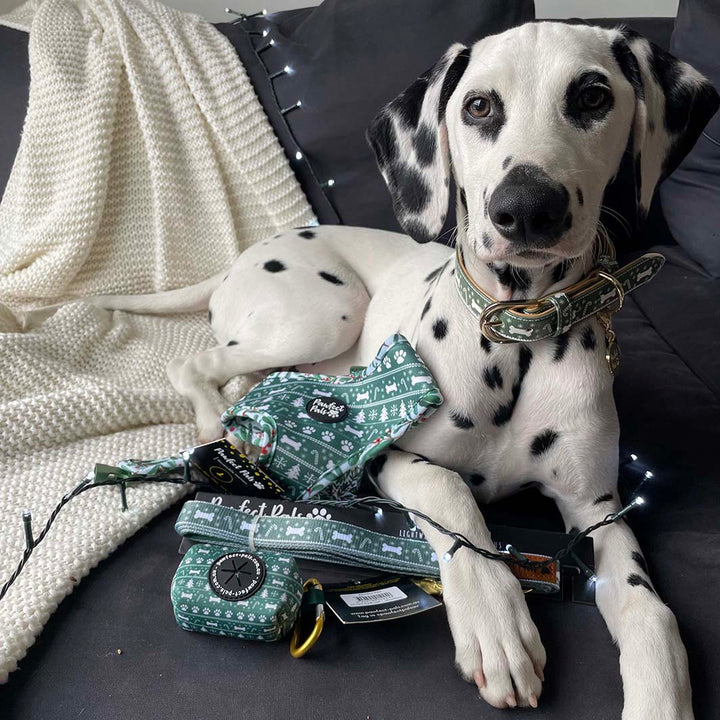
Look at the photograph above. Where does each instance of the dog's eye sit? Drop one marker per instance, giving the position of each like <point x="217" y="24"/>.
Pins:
<point x="593" y="98"/>
<point x="478" y="107"/>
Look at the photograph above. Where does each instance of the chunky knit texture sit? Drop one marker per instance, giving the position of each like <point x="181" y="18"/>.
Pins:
<point x="146" y="163"/>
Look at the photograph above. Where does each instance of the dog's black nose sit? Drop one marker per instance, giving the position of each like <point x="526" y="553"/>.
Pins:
<point x="529" y="208"/>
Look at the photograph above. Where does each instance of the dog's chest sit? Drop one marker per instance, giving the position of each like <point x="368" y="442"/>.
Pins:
<point x="502" y="403"/>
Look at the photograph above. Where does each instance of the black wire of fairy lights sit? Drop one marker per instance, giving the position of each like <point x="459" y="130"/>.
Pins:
<point x="299" y="156"/>
<point x="372" y="502"/>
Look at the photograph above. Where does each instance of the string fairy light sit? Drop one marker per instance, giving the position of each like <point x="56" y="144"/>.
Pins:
<point x="182" y="476"/>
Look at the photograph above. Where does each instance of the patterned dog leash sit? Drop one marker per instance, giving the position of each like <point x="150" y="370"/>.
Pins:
<point x="326" y="540"/>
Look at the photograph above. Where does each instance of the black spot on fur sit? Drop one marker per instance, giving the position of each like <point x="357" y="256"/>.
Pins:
<point x="489" y="127"/>
<point x="210" y="316"/>
<point x="274" y="266"/>
<point x="426" y="308"/>
<point x="486" y="241"/>
<point x="543" y="442"/>
<point x="381" y="137"/>
<point x="629" y="66"/>
<point x="408" y="104"/>
<point x="307" y="234"/>
<point x="485" y="344"/>
<point x="561" y="345"/>
<point x="343" y="317"/>
<point x="588" y="340"/>
<point x="418" y="231"/>
<point x="561" y="270"/>
<point x="493" y="377"/>
<point x="603" y="498"/>
<point x="463" y="199"/>
<point x="461" y="420"/>
<point x="232" y="342"/>
<point x="440" y="328"/>
<point x="476" y="479"/>
<point x="580" y="118"/>
<point x="376" y="465"/>
<point x="452" y="78"/>
<point x="513" y="277"/>
<point x="505" y="412"/>
<point x="411" y="190"/>
<point x="334" y="279"/>
<point x="580" y="196"/>
<point x="640" y="560"/>
<point x="425" y="145"/>
<point x="634" y="579"/>
<point x="431" y="276"/>
<point x="506" y="162"/>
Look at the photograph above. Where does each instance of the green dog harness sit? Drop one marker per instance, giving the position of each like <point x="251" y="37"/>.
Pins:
<point x="312" y="429"/>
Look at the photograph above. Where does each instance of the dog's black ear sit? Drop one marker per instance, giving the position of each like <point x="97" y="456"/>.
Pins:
<point x="673" y="103"/>
<point x="410" y="141"/>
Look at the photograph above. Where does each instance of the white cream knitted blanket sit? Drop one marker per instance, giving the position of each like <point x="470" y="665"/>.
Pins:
<point x="146" y="163"/>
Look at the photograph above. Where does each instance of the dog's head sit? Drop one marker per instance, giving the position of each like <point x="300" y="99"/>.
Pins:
<point x="533" y="125"/>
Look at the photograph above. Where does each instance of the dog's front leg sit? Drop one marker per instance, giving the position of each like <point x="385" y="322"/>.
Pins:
<point x="497" y="643"/>
<point x="653" y="661"/>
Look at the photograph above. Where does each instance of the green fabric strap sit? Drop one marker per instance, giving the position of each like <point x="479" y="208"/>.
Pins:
<point x="553" y="314"/>
<point x="309" y="538"/>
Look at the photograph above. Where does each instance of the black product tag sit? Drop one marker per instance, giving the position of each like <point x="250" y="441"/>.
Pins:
<point x="373" y="601"/>
<point x="228" y="470"/>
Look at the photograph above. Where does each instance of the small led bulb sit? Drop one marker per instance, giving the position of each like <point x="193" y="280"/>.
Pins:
<point x="298" y="155"/>
<point x="639" y="501"/>
<point x="648" y="475"/>
<point x="288" y="70"/>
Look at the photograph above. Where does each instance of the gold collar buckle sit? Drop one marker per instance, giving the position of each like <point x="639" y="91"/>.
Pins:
<point x="487" y="324"/>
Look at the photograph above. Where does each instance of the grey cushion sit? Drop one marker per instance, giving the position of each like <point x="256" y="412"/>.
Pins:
<point x="691" y="195"/>
<point x="349" y="58"/>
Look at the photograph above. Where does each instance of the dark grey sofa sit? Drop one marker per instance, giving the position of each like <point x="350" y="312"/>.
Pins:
<point x="668" y="397"/>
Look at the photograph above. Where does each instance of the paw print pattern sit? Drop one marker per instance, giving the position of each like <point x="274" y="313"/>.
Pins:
<point x="309" y="430"/>
<point x="195" y="608"/>
<point x="320" y="513"/>
<point x="206" y="611"/>
<point x="386" y="362"/>
<point x="251" y="617"/>
<point x="228" y="614"/>
<point x="184" y="608"/>
<point x="346" y="446"/>
<point x="240" y="615"/>
<point x="291" y="424"/>
<point x="216" y="613"/>
<point x="399" y="357"/>
<point x="327" y="436"/>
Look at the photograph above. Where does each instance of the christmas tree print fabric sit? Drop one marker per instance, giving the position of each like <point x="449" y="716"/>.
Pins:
<point x="316" y="432"/>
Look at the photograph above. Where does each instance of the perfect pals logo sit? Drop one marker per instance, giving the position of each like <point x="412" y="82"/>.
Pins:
<point x="327" y="409"/>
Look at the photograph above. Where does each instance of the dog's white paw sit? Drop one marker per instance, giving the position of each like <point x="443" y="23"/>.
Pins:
<point x="653" y="664"/>
<point x="497" y="645"/>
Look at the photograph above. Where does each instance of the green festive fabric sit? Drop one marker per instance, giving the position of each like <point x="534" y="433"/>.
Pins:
<point x="314" y="429"/>
<point x="270" y="606"/>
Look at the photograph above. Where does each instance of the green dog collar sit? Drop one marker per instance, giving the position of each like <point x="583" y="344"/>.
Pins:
<point x="602" y="291"/>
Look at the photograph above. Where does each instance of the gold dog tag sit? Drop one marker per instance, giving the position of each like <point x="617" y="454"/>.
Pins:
<point x="612" y="351"/>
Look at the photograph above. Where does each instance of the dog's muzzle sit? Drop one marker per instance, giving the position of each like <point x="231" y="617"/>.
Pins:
<point x="529" y="208"/>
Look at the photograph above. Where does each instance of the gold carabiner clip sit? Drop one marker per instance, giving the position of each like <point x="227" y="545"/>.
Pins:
<point x="298" y="649"/>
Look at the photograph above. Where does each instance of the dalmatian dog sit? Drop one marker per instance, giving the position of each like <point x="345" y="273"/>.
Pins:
<point x="530" y="127"/>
